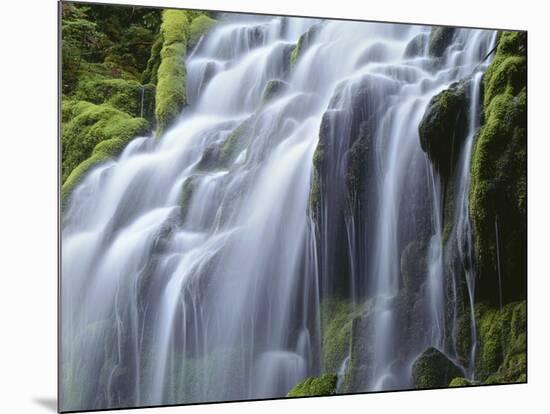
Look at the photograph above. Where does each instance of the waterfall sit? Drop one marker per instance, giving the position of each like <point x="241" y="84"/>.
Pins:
<point x="194" y="267"/>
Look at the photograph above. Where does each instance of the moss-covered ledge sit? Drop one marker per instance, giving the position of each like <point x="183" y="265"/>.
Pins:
<point x="171" y="95"/>
<point x="92" y="134"/>
<point x="324" y="385"/>
<point x="498" y="192"/>
<point x="179" y="32"/>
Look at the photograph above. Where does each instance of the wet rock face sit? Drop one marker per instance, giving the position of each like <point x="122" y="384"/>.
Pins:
<point x="498" y="193"/>
<point x="444" y="126"/>
<point x="416" y="46"/>
<point x="440" y="39"/>
<point x="432" y="369"/>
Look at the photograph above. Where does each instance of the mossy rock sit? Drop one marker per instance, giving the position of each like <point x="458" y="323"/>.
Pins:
<point x="337" y="317"/>
<point x="502" y="343"/>
<point x="443" y="127"/>
<point x="199" y="26"/>
<point x="274" y="88"/>
<point x="498" y="190"/>
<point x="305" y="41"/>
<point x="237" y="141"/>
<point x="171" y="94"/>
<point x="220" y="155"/>
<point x="187" y="189"/>
<point x="440" y="39"/>
<point x="324" y="385"/>
<point x="356" y="172"/>
<point x="121" y="94"/>
<point x="150" y="73"/>
<point x="416" y="46"/>
<point x="414" y="266"/>
<point x="432" y="369"/>
<point x="92" y="134"/>
<point x="460" y="382"/>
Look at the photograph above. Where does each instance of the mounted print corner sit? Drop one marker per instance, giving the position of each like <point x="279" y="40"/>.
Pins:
<point x="258" y="207"/>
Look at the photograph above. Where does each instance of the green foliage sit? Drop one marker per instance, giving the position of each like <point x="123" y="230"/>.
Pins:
<point x="81" y="42"/>
<point x="199" y="26"/>
<point x="502" y="347"/>
<point x="324" y="385"/>
<point x="171" y="94"/>
<point x="150" y="72"/>
<point x="498" y="191"/>
<point x="432" y="369"/>
<point x="115" y="36"/>
<point x="92" y="134"/>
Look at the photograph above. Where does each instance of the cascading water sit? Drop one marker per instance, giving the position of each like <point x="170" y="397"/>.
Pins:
<point x="195" y="265"/>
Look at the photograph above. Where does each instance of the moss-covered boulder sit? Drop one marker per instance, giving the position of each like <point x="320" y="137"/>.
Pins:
<point x="171" y="95"/>
<point x="125" y="95"/>
<point x="199" y="26"/>
<point x="460" y="382"/>
<point x="444" y="126"/>
<point x="337" y="316"/>
<point x="324" y="385"/>
<point x="502" y="343"/>
<point x="274" y="88"/>
<point x="92" y="134"/>
<point x="432" y="369"/>
<point x="440" y="39"/>
<point x="498" y="191"/>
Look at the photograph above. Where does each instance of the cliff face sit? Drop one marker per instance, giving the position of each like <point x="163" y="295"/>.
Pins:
<point x="498" y="194"/>
<point x="123" y="75"/>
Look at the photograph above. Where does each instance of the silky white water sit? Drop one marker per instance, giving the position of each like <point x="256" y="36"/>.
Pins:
<point x="191" y="276"/>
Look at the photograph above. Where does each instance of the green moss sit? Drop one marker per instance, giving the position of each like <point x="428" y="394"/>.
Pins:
<point x="315" y="191"/>
<point x="199" y="26"/>
<point x="440" y="39"/>
<point x="187" y="190"/>
<point x="459" y="382"/>
<point x="236" y="142"/>
<point x="498" y="191"/>
<point x="337" y="317"/>
<point x="272" y="89"/>
<point x="432" y="369"/>
<point x="92" y="134"/>
<point x="121" y="94"/>
<point x="171" y="74"/>
<point x="324" y="385"/>
<point x="304" y="42"/>
<point x="150" y="73"/>
<point x="502" y="345"/>
<point x="355" y="175"/>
